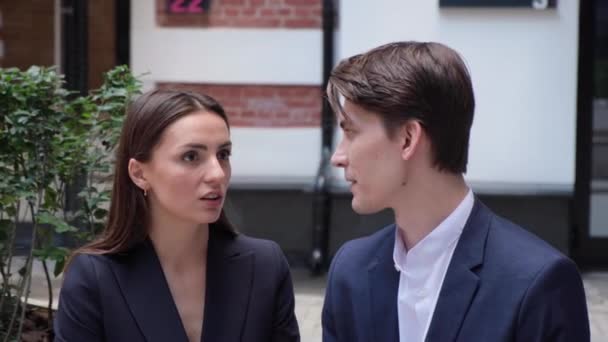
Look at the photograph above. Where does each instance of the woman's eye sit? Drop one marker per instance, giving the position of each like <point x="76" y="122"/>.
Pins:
<point x="224" y="155"/>
<point x="190" y="156"/>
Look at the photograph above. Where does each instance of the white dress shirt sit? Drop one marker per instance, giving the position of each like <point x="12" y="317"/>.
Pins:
<point x="423" y="269"/>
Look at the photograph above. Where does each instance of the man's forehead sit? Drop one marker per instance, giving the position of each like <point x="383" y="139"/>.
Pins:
<point x="347" y="109"/>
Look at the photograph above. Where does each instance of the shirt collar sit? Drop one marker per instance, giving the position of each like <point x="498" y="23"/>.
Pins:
<point x="435" y="243"/>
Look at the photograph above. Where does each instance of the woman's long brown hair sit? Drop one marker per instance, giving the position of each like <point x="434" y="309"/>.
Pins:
<point x="147" y="118"/>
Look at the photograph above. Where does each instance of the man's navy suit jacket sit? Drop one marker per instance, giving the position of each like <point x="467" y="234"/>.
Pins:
<point x="502" y="284"/>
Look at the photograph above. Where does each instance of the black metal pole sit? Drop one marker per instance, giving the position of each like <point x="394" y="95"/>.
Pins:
<point x="327" y="116"/>
<point x="579" y="242"/>
<point x="75" y="56"/>
<point x="75" y="67"/>
<point x="321" y="197"/>
<point x="122" y="16"/>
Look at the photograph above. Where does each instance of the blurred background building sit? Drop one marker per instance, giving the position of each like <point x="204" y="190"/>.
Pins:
<point x="539" y="145"/>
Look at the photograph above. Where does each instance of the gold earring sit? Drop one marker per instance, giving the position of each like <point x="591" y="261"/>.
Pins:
<point x="145" y="192"/>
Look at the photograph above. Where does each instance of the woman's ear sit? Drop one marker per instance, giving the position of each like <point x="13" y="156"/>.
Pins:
<point x="136" y="173"/>
<point x="410" y="136"/>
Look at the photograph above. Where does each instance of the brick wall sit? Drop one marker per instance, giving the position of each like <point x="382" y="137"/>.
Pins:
<point x="1" y="39"/>
<point x="263" y="105"/>
<point x="28" y="33"/>
<point x="102" y="47"/>
<point x="293" y="14"/>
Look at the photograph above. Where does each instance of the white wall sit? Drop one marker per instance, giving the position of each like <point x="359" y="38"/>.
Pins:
<point x="237" y="56"/>
<point x="523" y="64"/>
<point x="524" y="68"/>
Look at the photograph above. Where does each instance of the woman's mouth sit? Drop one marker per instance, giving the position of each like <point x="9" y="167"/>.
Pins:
<point x="212" y="199"/>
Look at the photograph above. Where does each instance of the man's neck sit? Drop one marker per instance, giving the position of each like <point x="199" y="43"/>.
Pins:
<point x="426" y="203"/>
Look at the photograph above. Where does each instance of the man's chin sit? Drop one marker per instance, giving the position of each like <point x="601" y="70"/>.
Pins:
<point x="364" y="209"/>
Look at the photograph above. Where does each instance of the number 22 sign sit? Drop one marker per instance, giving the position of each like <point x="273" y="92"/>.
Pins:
<point x="187" y="6"/>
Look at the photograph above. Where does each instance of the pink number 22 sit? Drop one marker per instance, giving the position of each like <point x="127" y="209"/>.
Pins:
<point x="177" y="6"/>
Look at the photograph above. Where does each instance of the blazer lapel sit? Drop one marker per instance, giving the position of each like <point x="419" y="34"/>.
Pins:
<point x="461" y="281"/>
<point x="383" y="285"/>
<point x="145" y="289"/>
<point x="229" y="283"/>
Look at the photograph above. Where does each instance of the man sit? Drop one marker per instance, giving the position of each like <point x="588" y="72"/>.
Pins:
<point x="449" y="269"/>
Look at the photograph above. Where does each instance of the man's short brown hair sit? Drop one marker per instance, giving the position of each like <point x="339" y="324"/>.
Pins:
<point x="402" y="81"/>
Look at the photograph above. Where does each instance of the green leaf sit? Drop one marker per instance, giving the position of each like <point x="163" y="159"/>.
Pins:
<point x="100" y="213"/>
<point x="50" y="195"/>
<point x="11" y="211"/>
<point x="5" y="225"/>
<point x="60" y="225"/>
<point x="59" y="265"/>
<point x="40" y="253"/>
<point x="5" y="228"/>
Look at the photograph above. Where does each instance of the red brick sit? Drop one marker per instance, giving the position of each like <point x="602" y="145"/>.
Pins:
<point x="215" y="21"/>
<point x="298" y="91"/>
<point x="231" y="12"/>
<point x="268" y="12"/>
<point x="303" y="13"/>
<point x="302" y="101"/>
<point x="227" y="101"/>
<point x="302" y="23"/>
<point x="303" y="2"/>
<point x="257" y="22"/>
<point x="232" y="2"/>
<point x="249" y="12"/>
<point x="257" y="2"/>
<point x="255" y="91"/>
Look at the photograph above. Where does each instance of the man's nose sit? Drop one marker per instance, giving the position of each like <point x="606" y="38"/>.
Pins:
<point x="338" y="159"/>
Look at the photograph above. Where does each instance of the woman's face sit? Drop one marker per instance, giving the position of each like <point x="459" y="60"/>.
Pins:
<point x="188" y="173"/>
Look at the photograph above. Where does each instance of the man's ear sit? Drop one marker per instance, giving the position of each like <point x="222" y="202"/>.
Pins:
<point x="136" y="173"/>
<point x="410" y="136"/>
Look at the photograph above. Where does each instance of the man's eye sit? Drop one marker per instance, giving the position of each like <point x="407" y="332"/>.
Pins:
<point x="224" y="155"/>
<point x="190" y="156"/>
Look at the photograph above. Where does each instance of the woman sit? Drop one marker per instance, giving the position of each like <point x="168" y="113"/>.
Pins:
<point x="169" y="266"/>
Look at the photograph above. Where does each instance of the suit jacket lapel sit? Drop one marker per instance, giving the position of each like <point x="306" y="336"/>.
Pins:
<point x="461" y="281"/>
<point x="145" y="289"/>
<point x="229" y="283"/>
<point x="383" y="286"/>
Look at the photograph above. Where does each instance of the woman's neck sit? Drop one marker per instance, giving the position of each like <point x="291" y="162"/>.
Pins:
<point x="180" y="247"/>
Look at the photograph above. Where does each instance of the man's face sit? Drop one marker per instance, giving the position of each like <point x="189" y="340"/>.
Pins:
<point x="372" y="162"/>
